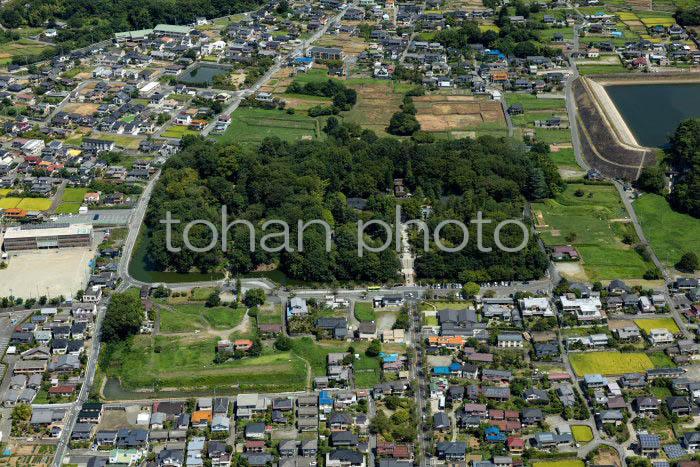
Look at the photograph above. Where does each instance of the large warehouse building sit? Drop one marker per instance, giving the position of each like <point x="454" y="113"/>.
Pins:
<point x="45" y="236"/>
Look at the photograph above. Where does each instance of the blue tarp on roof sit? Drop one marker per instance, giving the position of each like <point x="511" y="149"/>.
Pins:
<point x="441" y="370"/>
<point x="304" y="59"/>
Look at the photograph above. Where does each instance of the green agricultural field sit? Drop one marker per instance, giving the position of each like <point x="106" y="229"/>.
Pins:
<point x="182" y="318"/>
<point x="5" y="191"/>
<point x="35" y="204"/>
<point x="9" y="203"/>
<point x="531" y="102"/>
<point x="649" y="324"/>
<point x="200" y="294"/>
<point x="661" y="360"/>
<point x="595" y="224"/>
<point x="364" y="311"/>
<point x="224" y="317"/>
<point x="571" y="463"/>
<point x="585" y="70"/>
<point x="68" y="208"/>
<point x="314" y="75"/>
<point x="22" y="47"/>
<point x="74" y="195"/>
<point x="670" y="233"/>
<point x="180" y="363"/>
<point x="251" y="126"/>
<point x="178" y="131"/>
<point x="553" y="136"/>
<point x="582" y="433"/>
<point x="609" y="363"/>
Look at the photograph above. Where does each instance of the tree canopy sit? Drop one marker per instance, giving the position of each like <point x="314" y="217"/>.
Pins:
<point x="685" y="148"/>
<point x="123" y="317"/>
<point x="308" y="180"/>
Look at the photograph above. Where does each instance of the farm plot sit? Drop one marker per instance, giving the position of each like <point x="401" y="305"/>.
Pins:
<point x="68" y="208"/>
<point x="182" y="318"/>
<point x="251" y="126"/>
<point x="178" y="131"/>
<point x="376" y="103"/>
<point x="571" y="463"/>
<point x="457" y="114"/>
<point x="649" y="324"/>
<point x="29" y="204"/>
<point x="22" y="47"/>
<point x="609" y="363"/>
<point x="591" y="218"/>
<point x="223" y="317"/>
<point x="270" y="313"/>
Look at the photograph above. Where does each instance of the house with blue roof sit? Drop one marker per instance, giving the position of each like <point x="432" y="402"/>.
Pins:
<point x="441" y="370"/>
<point x="494" y="434"/>
<point x="325" y="402"/>
<point x="455" y="369"/>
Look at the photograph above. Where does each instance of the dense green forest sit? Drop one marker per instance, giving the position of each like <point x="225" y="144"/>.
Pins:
<point x="685" y="149"/>
<point x="312" y="180"/>
<point x="91" y="21"/>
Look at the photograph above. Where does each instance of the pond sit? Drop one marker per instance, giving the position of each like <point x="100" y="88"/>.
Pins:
<point x="654" y="111"/>
<point x="203" y="75"/>
<point x="142" y="270"/>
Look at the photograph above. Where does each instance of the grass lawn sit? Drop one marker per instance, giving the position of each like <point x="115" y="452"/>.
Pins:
<point x="649" y="324"/>
<point x="74" y="195"/>
<point x="660" y="392"/>
<point x="553" y="136"/>
<point x="431" y="321"/>
<point x="609" y="363"/>
<point x="184" y="318"/>
<point x="571" y="463"/>
<point x="313" y="75"/>
<point x="317" y="352"/>
<point x="364" y="311"/>
<point x="270" y="313"/>
<point x="670" y="233"/>
<point x="201" y="293"/>
<point x="596" y="219"/>
<point x="21" y="47"/>
<point x="68" y="208"/>
<point x="251" y="126"/>
<point x="661" y="360"/>
<point x="582" y="433"/>
<point x="224" y="317"/>
<point x="367" y="371"/>
<point x="441" y="305"/>
<point x="179" y="363"/>
<point x="35" y="204"/>
<point x="564" y="157"/>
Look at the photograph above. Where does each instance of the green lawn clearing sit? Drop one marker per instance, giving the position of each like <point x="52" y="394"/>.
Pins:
<point x="531" y="102"/>
<point x="182" y="363"/>
<point x="649" y="324"/>
<point x="364" y="311"/>
<point x="564" y="157"/>
<point x="431" y="321"/>
<point x="585" y="70"/>
<point x="594" y="220"/>
<point x="366" y="371"/>
<point x="251" y="126"/>
<point x="582" y="433"/>
<point x="669" y="232"/>
<point x="68" y="208"/>
<point x="224" y="317"/>
<point x="270" y="313"/>
<point x="74" y="195"/>
<point x="182" y="318"/>
<point x="609" y="363"/>
<point x="178" y="131"/>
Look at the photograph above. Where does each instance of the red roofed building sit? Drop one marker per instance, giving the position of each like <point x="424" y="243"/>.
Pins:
<point x="64" y="390"/>
<point x="558" y="376"/>
<point x="255" y="446"/>
<point x="242" y="344"/>
<point x="515" y="445"/>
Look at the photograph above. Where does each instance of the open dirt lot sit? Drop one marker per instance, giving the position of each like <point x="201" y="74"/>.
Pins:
<point x="572" y="271"/>
<point x="82" y="109"/>
<point x="447" y="113"/>
<point x="62" y="272"/>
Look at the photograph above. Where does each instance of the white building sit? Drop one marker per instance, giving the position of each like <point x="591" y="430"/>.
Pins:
<point x="536" y="307"/>
<point x="658" y="336"/>
<point x="585" y="309"/>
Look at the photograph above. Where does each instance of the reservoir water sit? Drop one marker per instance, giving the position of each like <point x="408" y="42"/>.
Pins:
<point x="653" y="111"/>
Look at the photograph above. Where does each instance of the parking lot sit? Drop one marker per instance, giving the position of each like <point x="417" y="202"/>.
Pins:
<point x="99" y="217"/>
